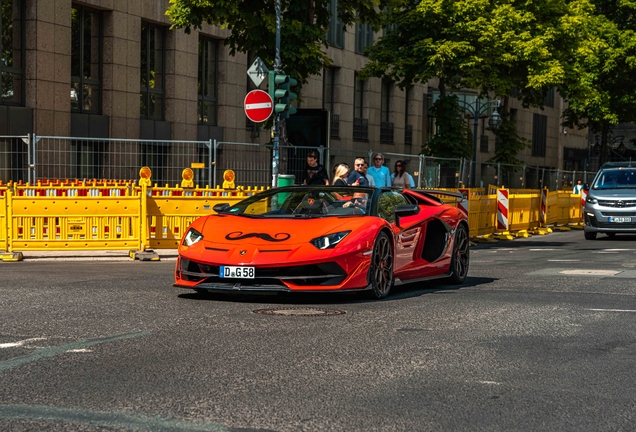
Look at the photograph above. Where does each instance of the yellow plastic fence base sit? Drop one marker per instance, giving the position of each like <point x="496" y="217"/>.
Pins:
<point x="147" y="255"/>
<point x="577" y="226"/>
<point x="561" y="228"/>
<point x="505" y="235"/>
<point x="488" y="238"/>
<point x="540" y="231"/>
<point x="522" y="234"/>
<point x="11" y="256"/>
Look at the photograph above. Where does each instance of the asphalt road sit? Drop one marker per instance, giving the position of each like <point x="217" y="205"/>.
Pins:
<point x="542" y="336"/>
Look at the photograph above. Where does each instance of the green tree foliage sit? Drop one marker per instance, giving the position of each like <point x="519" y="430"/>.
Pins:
<point x="600" y="88"/>
<point x="452" y="138"/>
<point x="495" y="47"/>
<point x="509" y="142"/>
<point x="252" y="26"/>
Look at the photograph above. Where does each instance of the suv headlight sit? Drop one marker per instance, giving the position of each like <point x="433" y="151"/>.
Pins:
<point x="329" y="241"/>
<point x="591" y="200"/>
<point x="192" y="236"/>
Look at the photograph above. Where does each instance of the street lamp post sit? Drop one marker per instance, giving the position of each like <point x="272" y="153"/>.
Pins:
<point x="476" y="110"/>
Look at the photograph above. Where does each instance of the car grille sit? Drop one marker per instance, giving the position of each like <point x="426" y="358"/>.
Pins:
<point x="304" y="275"/>
<point x="617" y="203"/>
<point x="599" y="224"/>
<point x="622" y="214"/>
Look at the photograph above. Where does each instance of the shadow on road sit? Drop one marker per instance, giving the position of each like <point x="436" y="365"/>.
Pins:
<point x="397" y="293"/>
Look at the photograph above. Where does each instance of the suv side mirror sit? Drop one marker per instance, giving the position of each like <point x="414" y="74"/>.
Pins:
<point x="586" y="186"/>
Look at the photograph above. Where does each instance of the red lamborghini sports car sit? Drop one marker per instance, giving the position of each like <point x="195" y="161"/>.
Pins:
<point x="325" y="238"/>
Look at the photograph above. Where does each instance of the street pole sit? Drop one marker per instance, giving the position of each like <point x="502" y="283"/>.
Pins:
<point x="277" y="69"/>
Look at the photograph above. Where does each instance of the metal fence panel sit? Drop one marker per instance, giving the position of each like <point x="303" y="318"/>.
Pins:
<point x="94" y="158"/>
<point x="14" y="159"/>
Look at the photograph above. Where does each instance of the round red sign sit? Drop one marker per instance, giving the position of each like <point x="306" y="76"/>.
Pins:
<point x="258" y="106"/>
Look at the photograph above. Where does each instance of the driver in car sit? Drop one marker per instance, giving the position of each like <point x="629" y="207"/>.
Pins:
<point x="358" y="201"/>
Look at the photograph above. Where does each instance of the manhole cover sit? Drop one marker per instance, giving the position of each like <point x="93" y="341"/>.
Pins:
<point x="299" y="312"/>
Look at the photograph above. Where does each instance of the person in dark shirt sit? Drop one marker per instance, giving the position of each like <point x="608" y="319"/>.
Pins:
<point x="357" y="177"/>
<point x="314" y="173"/>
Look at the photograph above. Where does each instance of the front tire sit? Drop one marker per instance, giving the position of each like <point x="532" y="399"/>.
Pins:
<point x="590" y="235"/>
<point x="461" y="256"/>
<point x="381" y="271"/>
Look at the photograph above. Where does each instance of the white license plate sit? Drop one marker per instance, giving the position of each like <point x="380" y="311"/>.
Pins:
<point x="620" y="219"/>
<point x="237" y="272"/>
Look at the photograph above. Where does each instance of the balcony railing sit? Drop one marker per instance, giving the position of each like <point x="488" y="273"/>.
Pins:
<point x="386" y="132"/>
<point x="360" y="129"/>
<point x="335" y="126"/>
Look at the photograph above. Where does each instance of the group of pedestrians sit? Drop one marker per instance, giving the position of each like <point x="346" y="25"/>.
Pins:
<point x="377" y="175"/>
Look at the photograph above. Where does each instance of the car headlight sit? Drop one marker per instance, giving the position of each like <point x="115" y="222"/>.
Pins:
<point x="330" y="240"/>
<point x="192" y="236"/>
<point x="591" y="200"/>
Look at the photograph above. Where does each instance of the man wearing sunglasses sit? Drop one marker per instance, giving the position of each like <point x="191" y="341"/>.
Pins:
<point x="357" y="178"/>
<point x="379" y="172"/>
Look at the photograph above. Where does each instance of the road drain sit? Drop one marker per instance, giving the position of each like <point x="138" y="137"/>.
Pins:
<point x="299" y="312"/>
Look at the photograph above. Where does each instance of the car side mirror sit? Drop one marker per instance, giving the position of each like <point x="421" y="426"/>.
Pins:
<point x="220" y="208"/>
<point x="405" y="210"/>
<point x="586" y="186"/>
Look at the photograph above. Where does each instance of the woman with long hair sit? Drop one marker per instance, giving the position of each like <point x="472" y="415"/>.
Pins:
<point x="340" y="176"/>
<point x="400" y="178"/>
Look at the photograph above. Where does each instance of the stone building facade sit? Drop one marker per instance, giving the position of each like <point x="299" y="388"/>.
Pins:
<point x="114" y="69"/>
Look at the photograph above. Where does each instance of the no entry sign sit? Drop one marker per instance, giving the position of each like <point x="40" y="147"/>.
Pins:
<point x="258" y="106"/>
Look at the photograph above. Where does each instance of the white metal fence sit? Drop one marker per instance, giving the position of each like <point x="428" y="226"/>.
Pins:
<point x="31" y="158"/>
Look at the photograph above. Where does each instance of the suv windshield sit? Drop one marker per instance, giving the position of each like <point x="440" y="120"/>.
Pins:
<point x="618" y="178"/>
<point x="306" y="202"/>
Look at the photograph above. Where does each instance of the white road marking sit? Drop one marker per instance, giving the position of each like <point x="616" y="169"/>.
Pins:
<point x="612" y="310"/>
<point x="565" y="260"/>
<point x="489" y="382"/>
<point x="544" y="249"/>
<point x="617" y="250"/>
<point x="80" y="350"/>
<point x="590" y="272"/>
<point x="604" y="252"/>
<point x="19" y="343"/>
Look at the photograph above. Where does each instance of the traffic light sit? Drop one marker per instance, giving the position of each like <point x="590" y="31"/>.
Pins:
<point x="279" y="87"/>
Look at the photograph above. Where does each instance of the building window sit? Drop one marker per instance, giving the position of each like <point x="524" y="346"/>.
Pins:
<point x="87" y="159"/>
<point x="86" y="60"/>
<point x="328" y="99"/>
<point x="539" y="134"/>
<point x="152" y="72"/>
<point x="408" y="128"/>
<point x="208" y="60"/>
<point x="364" y="37"/>
<point x="11" y="66"/>
<point x="386" y="127"/>
<point x="549" y="98"/>
<point x="360" y="124"/>
<point x="335" y="32"/>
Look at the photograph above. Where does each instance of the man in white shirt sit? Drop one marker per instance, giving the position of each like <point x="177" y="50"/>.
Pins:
<point x="380" y="173"/>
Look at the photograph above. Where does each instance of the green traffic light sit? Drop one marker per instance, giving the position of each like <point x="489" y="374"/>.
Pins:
<point x="279" y="88"/>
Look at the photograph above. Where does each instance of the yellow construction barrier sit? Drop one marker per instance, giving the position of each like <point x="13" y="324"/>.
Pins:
<point x="117" y="215"/>
<point x="75" y="218"/>
<point x="4" y="209"/>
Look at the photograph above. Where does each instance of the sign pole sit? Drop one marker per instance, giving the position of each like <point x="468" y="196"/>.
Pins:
<point x="277" y="65"/>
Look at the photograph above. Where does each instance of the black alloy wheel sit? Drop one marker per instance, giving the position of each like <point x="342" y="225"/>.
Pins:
<point x="590" y="235"/>
<point x="381" y="271"/>
<point x="461" y="256"/>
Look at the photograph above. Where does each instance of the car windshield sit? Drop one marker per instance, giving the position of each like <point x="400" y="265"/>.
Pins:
<point x="619" y="178"/>
<point x="300" y="202"/>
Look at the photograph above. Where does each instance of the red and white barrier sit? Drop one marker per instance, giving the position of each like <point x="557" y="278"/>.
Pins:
<point x="502" y="209"/>
<point x="544" y="206"/>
